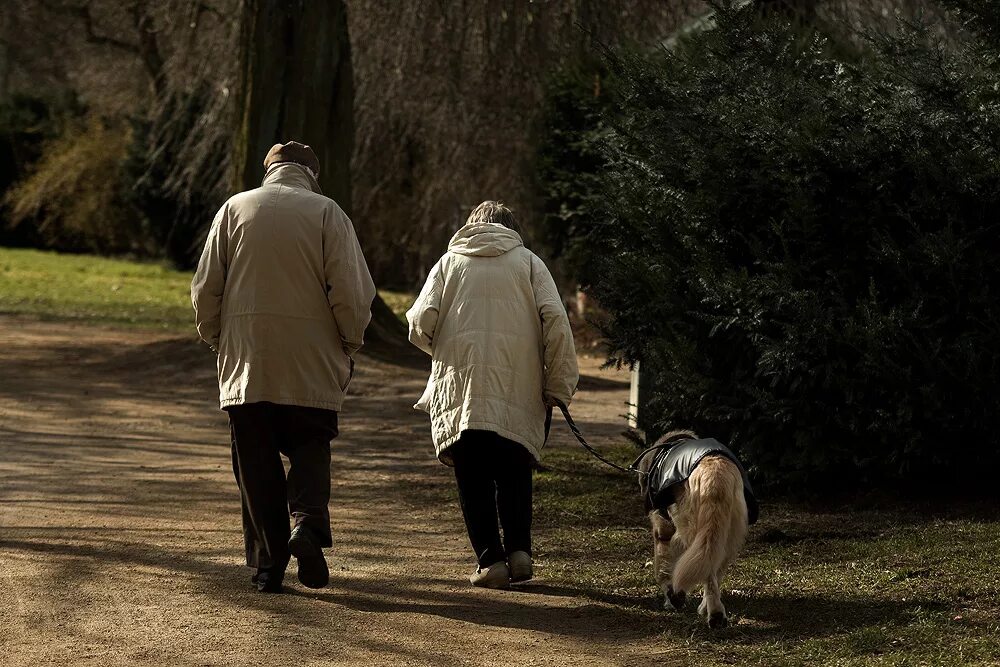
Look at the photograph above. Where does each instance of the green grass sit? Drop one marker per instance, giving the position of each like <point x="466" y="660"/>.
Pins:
<point x="899" y="585"/>
<point x="97" y="290"/>
<point x="398" y="302"/>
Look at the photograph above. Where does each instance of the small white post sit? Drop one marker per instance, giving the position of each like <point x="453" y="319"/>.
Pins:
<point x="633" y="398"/>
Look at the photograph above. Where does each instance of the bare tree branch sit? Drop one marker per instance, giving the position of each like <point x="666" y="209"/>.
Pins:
<point x="82" y="12"/>
<point x="205" y="8"/>
<point x="148" y="48"/>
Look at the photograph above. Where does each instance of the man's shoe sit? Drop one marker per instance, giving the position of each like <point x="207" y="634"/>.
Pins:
<point x="268" y="581"/>
<point x="313" y="572"/>
<point x="495" y="576"/>
<point x="520" y="566"/>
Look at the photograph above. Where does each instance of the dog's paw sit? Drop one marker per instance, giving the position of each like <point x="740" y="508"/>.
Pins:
<point x="718" y="620"/>
<point x="674" y="600"/>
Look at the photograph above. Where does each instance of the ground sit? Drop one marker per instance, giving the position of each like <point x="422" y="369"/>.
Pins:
<point x="120" y="534"/>
<point x="120" y="526"/>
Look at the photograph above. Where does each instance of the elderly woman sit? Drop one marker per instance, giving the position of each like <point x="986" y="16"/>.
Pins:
<point x="492" y="320"/>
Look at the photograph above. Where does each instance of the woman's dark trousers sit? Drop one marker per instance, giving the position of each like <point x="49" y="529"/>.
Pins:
<point x="494" y="479"/>
<point x="261" y="433"/>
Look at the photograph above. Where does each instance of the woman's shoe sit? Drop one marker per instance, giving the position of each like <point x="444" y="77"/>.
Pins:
<point x="495" y="576"/>
<point x="520" y="566"/>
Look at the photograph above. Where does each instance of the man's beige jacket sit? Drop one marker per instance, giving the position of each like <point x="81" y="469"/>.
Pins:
<point x="500" y="342"/>
<point x="283" y="293"/>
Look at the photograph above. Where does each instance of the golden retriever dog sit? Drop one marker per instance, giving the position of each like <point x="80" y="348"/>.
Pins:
<point x="700" y="505"/>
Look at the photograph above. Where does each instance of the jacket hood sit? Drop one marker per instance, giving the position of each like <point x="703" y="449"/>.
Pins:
<point x="293" y="175"/>
<point x="484" y="239"/>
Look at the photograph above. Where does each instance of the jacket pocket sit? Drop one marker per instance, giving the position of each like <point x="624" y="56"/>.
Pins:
<point x="350" y="374"/>
<point x="424" y="403"/>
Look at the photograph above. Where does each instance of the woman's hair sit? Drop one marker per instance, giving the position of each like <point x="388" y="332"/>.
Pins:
<point x="493" y="212"/>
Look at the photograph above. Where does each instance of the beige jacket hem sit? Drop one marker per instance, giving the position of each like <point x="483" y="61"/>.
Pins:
<point x="283" y="400"/>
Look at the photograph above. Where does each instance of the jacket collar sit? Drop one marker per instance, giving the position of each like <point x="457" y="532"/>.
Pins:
<point x="484" y="239"/>
<point x="292" y="175"/>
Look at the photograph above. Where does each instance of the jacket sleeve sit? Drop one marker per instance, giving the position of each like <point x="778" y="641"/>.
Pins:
<point x="561" y="372"/>
<point x="349" y="287"/>
<point x="209" y="282"/>
<point x="423" y="314"/>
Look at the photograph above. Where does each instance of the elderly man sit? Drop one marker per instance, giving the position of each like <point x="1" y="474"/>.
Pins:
<point x="283" y="294"/>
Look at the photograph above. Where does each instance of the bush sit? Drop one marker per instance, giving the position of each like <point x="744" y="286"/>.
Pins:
<point x="73" y="198"/>
<point x="803" y="248"/>
<point x="26" y="124"/>
<point x="110" y="185"/>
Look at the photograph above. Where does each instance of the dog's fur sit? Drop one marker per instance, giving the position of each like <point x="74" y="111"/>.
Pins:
<point x="703" y="534"/>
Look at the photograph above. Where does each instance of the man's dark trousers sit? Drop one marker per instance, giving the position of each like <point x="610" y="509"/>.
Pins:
<point x="261" y="433"/>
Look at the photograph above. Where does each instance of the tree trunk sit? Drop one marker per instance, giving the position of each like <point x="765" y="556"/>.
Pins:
<point x="4" y="72"/>
<point x="296" y="83"/>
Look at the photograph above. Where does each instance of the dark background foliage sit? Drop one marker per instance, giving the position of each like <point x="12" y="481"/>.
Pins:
<point x="26" y="124"/>
<point x="569" y="163"/>
<point x="799" y="246"/>
<point x="446" y="105"/>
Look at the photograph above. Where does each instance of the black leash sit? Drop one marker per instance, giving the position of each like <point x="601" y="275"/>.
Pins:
<point x="663" y="444"/>
<point x="579" y="437"/>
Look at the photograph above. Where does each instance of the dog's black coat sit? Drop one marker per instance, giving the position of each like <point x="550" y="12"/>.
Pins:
<point x="672" y="467"/>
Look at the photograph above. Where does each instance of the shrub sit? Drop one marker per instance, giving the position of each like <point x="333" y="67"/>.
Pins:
<point x="73" y="196"/>
<point x="26" y="124"/>
<point x="801" y="248"/>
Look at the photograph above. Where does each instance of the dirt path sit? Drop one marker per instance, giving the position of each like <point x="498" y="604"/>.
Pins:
<point x="120" y="541"/>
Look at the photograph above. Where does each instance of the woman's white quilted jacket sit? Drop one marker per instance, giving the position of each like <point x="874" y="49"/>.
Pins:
<point x="500" y="342"/>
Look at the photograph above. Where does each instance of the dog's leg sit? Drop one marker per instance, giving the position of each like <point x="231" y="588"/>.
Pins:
<point x="661" y="562"/>
<point x="675" y="599"/>
<point x="712" y="603"/>
<point x="667" y="546"/>
<point x="663" y="531"/>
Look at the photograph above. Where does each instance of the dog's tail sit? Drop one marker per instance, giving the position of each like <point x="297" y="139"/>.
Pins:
<point x="717" y="505"/>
